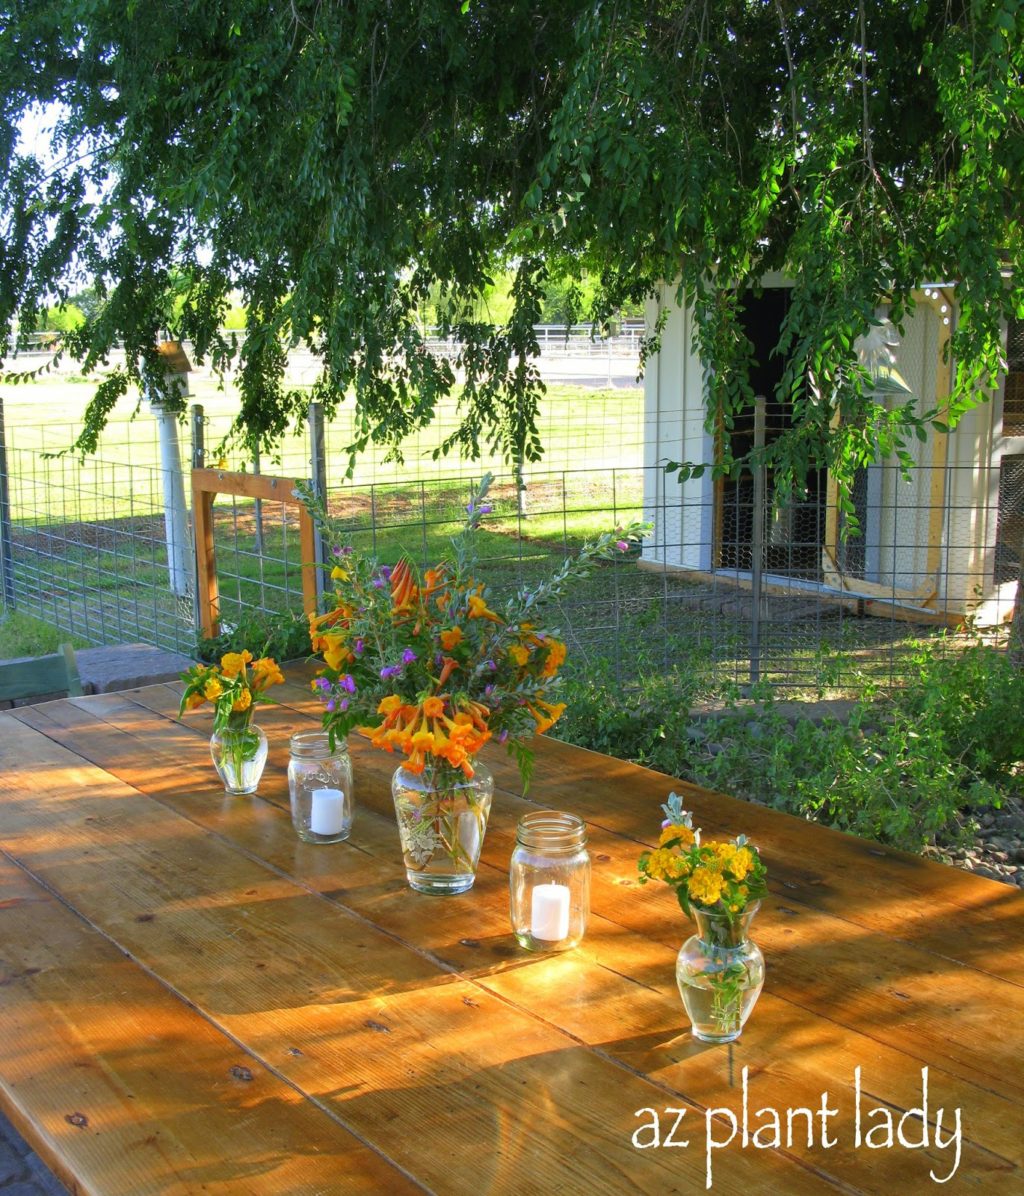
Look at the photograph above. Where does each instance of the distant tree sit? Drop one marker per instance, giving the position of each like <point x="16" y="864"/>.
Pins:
<point x="339" y="164"/>
<point x="65" y="318"/>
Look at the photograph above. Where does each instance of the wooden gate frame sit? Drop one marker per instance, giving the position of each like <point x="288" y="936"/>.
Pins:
<point x="206" y="485"/>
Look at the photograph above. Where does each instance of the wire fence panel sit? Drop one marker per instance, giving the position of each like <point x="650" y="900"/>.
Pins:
<point x="89" y="550"/>
<point x="829" y="611"/>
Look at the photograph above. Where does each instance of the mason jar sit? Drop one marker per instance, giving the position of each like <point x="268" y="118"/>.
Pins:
<point x="549" y="881"/>
<point x="320" y="788"/>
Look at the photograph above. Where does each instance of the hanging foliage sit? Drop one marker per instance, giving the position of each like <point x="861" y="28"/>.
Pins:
<point x="341" y="163"/>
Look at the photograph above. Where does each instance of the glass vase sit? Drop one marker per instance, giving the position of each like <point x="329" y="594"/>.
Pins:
<point x="720" y="973"/>
<point x="239" y="754"/>
<point x="442" y="818"/>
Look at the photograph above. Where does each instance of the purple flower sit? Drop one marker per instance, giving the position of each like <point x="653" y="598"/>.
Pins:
<point x="489" y="664"/>
<point x="331" y="705"/>
<point x="322" y="683"/>
<point x="343" y="704"/>
<point x="408" y="656"/>
<point x="359" y="647"/>
<point x="502" y="736"/>
<point x="347" y="683"/>
<point x="486" y="508"/>
<point x="666" y="822"/>
<point x="385" y="572"/>
<point x="345" y="550"/>
<point x="378" y="583"/>
<point x="622" y="545"/>
<point x="488" y="690"/>
<point x="390" y="670"/>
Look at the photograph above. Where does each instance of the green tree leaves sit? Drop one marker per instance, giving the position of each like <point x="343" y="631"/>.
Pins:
<point x="337" y="166"/>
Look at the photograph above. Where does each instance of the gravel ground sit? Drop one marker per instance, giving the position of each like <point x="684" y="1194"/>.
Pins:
<point x="997" y="850"/>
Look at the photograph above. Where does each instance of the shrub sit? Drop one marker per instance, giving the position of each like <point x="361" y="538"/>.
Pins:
<point x="911" y="771"/>
<point x="282" y="635"/>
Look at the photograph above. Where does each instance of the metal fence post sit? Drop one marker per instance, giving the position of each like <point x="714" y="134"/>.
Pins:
<point x="757" y="540"/>
<point x="318" y="483"/>
<point x="198" y="462"/>
<point x="258" y="505"/>
<point x="6" y="539"/>
<point x="198" y="437"/>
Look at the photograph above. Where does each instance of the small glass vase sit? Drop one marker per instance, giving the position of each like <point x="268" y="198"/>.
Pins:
<point x="239" y="754"/>
<point x="442" y="818"/>
<point x="720" y="973"/>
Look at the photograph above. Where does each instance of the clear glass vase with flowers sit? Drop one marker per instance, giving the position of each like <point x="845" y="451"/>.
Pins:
<point x="238" y="747"/>
<point x="719" y="971"/>
<point x="431" y="666"/>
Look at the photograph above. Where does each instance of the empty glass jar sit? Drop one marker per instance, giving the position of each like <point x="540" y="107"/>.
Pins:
<point x="549" y="880"/>
<point x="320" y="788"/>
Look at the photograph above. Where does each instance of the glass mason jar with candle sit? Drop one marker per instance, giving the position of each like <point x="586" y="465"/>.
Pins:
<point x="549" y="880"/>
<point x="320" y="788"/>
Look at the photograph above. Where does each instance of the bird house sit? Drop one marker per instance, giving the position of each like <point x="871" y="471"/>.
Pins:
<point x="177" y="367"/>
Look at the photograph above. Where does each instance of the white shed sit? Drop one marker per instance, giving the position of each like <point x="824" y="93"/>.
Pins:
<point x="944" y="543"/>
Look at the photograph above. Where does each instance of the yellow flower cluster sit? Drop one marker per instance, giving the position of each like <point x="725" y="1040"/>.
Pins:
<point x="666" y="865"/>
<point x="684" y="834"/>
<point x="232" y="688"/>
<point x="725" y="875"/>
<point x="705" y="885"/>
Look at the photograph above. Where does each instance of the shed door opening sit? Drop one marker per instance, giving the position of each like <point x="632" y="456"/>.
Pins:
<point x="794" y="532"/>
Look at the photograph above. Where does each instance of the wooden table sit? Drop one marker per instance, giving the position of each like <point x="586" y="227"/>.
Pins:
<point x="193" y="1000"/>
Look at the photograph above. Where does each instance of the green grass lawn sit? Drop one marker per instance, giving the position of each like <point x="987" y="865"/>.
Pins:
<point x="581" y="429"/>
<point x="93" y="530"/>
<point x="23" y="635"/>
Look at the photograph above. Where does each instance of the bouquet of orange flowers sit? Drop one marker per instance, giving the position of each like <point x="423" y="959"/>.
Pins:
<point x="429" y="664"/>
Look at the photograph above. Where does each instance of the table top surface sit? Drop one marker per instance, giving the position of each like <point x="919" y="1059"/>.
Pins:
<point x="194" y="1000"/>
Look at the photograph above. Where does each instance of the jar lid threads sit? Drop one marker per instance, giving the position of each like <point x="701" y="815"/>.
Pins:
<point x="551" y="831"/>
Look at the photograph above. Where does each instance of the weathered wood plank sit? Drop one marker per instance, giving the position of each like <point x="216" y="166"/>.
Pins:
<point x="125" y="1089"/>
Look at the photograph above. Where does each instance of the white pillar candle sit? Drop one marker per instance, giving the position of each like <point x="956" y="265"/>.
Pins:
<point x="549" y="912"/>
<point x="327" y="816"/>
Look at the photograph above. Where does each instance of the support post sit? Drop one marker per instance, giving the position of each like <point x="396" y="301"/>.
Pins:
<point x="198" y="425"/>
<point x="6" y="538"/>
<point x="757" y="540"/>
<point x="318" y="484"/>
<point x="175" y="511"/>
<point x="258" y="505"/>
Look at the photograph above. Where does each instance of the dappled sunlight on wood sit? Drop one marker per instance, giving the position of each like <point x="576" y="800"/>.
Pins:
<point x="230" y="1002"/>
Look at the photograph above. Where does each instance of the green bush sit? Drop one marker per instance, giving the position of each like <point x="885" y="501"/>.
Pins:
<point x="282" y="635"/>
<point x="896" y="782"/>
<point x="976" y="701"/>
<point x="910" y="771"/>
<point x="640" y="725"/>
